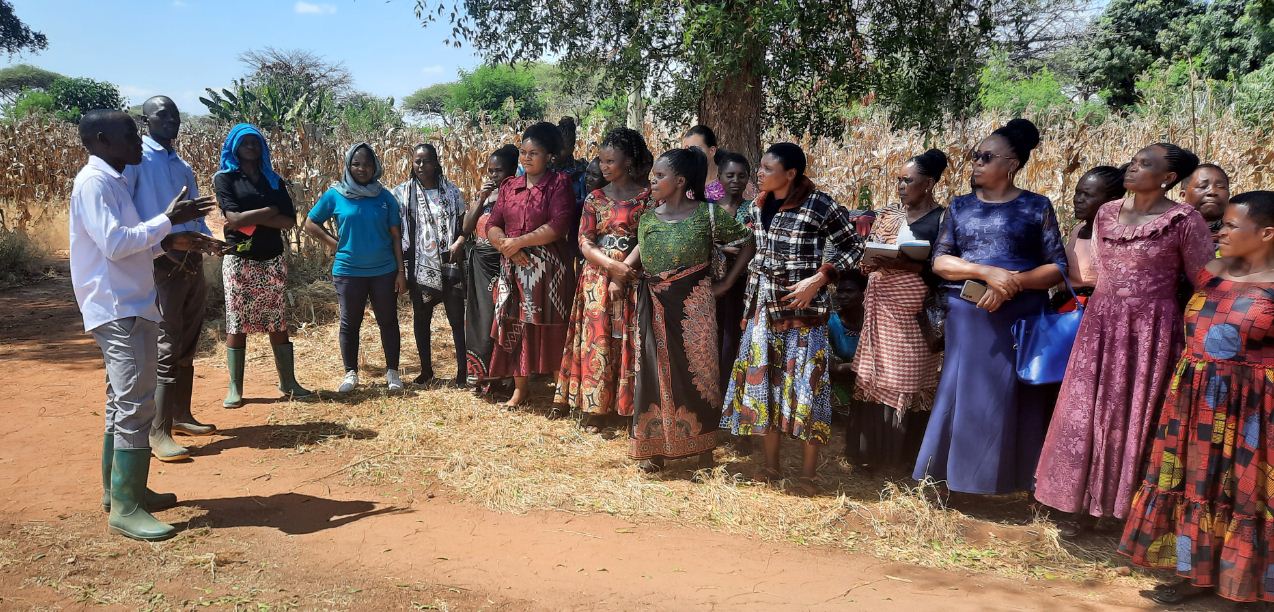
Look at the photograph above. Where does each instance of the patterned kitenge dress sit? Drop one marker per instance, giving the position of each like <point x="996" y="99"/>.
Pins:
<point x="677" y="400"/>
<point x="601" y="345"/>
<point x="1203" y="508"/>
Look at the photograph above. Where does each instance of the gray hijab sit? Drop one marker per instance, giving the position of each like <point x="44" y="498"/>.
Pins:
<point x="350" y="188"/>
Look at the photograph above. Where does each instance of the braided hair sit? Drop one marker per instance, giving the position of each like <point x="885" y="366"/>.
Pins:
<point x="1022" y="136"/>
<point x="425" y="146"/>
<point x="632" y="144"/>
<point x="690" y="164"/>
<point x="1181" y="161"/>
<point x="1112" y="180"/>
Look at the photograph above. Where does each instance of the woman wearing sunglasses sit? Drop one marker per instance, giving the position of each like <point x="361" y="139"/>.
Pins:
<point x="985" y="433"/>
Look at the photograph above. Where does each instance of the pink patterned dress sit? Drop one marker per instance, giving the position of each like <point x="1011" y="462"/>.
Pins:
<point x="1120" y="368"/>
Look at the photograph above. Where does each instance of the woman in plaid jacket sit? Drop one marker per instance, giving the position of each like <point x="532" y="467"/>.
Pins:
<point x="780" y="383"/>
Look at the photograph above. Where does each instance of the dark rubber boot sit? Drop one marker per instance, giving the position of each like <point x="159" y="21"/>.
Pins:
<point x="285" y="363"/>
<point x="183" y="421"/>
<point x="129" y="470"/>
<point x="154" y="501"/>
<point x="234" y="391"/>
<point x="162" y="445"/>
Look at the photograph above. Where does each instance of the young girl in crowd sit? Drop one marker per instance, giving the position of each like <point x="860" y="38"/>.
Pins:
<point x="779" y="383"/>
<point x="677" y="403"/>
<point x="1096" y="187"/>
<point x="1130" y="337"/>
<point x="369" y="258"/>
<point x="735" y="175"/>
<point x="483" y="267"/>
<point x="597" y="369"/>
<point x="1203" y="506"/>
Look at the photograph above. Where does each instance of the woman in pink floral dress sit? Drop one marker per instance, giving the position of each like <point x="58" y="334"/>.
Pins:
<point x="1128" y="342"/>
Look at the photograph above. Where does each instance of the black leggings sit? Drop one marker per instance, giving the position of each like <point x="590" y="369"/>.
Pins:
<point x="352" y="293"/>
<point x="423" y="302"/>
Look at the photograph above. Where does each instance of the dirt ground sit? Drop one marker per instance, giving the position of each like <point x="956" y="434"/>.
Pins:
<point x="269" y="524"/>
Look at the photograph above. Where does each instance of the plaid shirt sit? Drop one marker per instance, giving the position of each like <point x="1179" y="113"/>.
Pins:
<point x="799" y="241"/>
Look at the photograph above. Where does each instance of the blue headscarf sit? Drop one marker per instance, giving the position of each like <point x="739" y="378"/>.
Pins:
<point x="230" y="159"/>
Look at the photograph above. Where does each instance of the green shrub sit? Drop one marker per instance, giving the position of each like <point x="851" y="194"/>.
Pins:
<point x="21" y="259"/>
<point x="1254" y="99"/>
<point x="1002" y="91"/>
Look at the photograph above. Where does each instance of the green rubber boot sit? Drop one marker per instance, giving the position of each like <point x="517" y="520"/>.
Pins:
<point x="154" y="501"/>
<point x="129" y="470"/>
<point x="162" y="444"/>
<point x="285" y="363"/>
<point x="234" y="391"/>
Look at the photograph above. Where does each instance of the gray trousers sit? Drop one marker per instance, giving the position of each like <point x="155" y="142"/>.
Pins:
<point x="130" y="349"/>
<point x="183" y="296"/>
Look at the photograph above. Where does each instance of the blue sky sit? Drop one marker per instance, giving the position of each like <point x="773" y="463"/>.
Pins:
<point x="179" y="47"/>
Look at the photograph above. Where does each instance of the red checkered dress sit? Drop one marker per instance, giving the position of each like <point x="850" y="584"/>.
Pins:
<point x="1204" y="506"/>
<point x="895" y="367"/>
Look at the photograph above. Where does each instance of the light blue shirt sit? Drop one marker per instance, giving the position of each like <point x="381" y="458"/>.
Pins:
<point x="158" y="179"/>
<point x="112" y="248"/>
<point x="364" y="246"/>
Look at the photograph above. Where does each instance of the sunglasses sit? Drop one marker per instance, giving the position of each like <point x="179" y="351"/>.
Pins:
<point x="985" y="156"/>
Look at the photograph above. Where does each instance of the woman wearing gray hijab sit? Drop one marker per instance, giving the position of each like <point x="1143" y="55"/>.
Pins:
<point x="369" y="258"/>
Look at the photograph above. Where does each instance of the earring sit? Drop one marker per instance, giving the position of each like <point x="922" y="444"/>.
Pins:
<point x="1163" y="185"/>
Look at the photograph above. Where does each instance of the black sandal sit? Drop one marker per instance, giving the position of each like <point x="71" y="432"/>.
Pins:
<point x="1171" y="594"/>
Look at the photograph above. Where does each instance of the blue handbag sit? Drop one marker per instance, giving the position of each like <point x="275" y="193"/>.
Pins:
<point x="1043" y="343"/>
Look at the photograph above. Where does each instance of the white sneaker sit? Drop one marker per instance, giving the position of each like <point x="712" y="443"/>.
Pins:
<point x="395" y="383"/>
<point x="351" y="381"/>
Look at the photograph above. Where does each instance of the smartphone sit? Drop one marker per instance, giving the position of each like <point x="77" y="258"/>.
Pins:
<point x="972" y="291"/>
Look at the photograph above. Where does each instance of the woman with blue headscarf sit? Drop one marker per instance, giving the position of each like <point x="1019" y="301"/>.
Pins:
<point x="258" y="209"/>
<point x="369" y="258"/>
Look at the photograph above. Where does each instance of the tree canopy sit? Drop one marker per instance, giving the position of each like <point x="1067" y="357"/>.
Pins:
<point x="14" y="79"/>
<point x="15" y="36"/>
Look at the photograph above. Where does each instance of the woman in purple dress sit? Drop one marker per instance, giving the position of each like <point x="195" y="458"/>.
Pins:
<point x="986" y="429"/>
<point x="1128" y="342"/>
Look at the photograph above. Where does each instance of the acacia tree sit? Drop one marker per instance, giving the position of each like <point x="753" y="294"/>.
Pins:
<point x="729" y="62"/>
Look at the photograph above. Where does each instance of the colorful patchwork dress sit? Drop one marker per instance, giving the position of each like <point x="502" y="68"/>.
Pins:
<point x="601" y="345"/>
<point x="1203" y="508"/>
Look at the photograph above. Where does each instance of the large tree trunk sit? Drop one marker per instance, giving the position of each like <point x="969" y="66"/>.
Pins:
<point x="732" y="108"/>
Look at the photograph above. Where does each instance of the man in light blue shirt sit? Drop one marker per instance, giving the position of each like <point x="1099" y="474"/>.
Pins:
<point x="112" y="248"/>
<point x="179" y="279"/>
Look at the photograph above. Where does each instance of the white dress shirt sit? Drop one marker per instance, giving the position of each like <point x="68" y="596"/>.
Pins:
<point x="112" y="248"/>
<point x="158" y="179"/>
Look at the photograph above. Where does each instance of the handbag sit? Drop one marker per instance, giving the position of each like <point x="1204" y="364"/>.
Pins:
<point x="932" y="317"/>
<point x="716" y="259"/>
<point x="1043" y="343"/>
<point x="452" y="274"/>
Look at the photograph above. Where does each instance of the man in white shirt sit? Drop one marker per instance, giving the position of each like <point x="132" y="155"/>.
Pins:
<point x="112" y="248"/>
<point x="179" y="280"/>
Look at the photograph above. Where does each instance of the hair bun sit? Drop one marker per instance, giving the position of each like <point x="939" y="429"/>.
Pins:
<point x="932" y="163"/>
<point x="1028" y="136"/>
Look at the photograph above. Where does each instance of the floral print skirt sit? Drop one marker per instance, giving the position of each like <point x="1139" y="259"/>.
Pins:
<point x="781" y="380"/>
<point x="254" y="290"/>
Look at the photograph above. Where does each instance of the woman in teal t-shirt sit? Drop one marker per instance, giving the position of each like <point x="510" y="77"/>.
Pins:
<point x="369" y="258"/>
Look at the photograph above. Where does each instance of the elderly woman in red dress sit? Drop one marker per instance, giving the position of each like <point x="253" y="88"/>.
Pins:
<point x="529" y="226"/>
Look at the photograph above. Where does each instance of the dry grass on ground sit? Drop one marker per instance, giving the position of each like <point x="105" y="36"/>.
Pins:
<point x="522" y="461"/>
